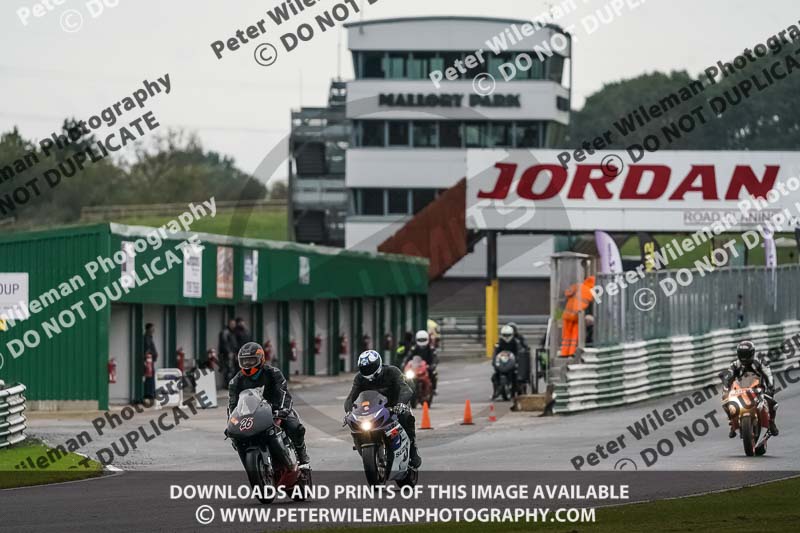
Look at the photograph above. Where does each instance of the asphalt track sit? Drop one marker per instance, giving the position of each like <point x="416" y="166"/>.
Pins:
<point x="518" y="444"/>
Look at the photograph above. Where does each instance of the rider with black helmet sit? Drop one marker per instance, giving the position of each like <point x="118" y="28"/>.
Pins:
<point x="388" y="381"/>
<point x="747" y="362"/>
<point x="255" y="372"/>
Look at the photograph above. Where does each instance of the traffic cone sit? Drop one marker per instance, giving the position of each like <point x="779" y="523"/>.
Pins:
<point x="426" y="417"/>
<point x="492" y="417"/>
<point x="467" y="414"/>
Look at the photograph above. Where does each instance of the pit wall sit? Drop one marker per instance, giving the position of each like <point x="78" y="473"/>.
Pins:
<point x="629" y="373"/>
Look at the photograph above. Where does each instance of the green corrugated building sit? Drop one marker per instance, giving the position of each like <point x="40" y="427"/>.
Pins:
<point x="322" y="304"/>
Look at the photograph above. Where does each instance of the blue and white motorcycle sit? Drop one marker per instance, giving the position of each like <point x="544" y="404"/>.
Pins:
<point x="381" y="441"/>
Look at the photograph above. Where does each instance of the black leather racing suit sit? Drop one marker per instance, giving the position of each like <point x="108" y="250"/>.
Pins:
<point x="429" y="355"/>
<point x="276" y="392"/>
<point x="390" y="383"/>
<point x="759" y="367"/>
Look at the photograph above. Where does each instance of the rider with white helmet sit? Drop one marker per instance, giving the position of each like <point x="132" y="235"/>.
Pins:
<point x="387" y="380"/>
<point x="422" y="347"/>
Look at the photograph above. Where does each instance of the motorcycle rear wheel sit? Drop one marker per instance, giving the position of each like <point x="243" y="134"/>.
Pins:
<point x="259" y="473"/>
<point x="749" y="436"/>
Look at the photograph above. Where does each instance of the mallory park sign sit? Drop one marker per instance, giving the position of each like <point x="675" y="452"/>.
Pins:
<point x="448" y="100"/>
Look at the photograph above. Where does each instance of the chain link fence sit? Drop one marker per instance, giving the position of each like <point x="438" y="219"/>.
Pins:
<point x="671" y="303"/>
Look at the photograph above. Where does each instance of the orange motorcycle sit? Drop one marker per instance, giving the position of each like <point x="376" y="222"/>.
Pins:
<point x="749" y="415"/>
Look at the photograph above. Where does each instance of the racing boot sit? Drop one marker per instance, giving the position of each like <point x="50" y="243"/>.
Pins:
<point x="416" y="460"/>
<point x="772" y="427"/>
<point x="302" y="456"/>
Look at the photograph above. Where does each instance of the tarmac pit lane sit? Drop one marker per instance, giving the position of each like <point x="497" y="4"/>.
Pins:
<point x="593" y="458"/>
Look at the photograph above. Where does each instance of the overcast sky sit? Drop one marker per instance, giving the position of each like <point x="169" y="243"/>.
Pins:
<point x="242" y="109"/>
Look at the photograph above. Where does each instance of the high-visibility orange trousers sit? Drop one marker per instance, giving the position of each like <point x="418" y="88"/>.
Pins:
<point x="569" y="337"/>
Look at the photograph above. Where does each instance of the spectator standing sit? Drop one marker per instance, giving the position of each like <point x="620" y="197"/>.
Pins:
<point x="149" y="342"/>
<point x="227" y="349"/>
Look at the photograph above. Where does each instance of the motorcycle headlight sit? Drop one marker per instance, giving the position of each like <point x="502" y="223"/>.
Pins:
<point x="366" y="425"/>
<point x="409" y="374"/>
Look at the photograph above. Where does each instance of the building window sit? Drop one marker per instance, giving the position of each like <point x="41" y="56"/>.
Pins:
<point x="372" y="64"/>
<point x="499" y="134"/>
<point x="395" y="66"/>
<point x="398" y="133"/>
<point x="419" y="65"/>
<point x="398" y="202"/>
<point x="450" y="135"/>
<point x="555" y="68"/>
<point x="421" y="198"/>
<point x="528" y="135"/>
<point x="450" y="58"/>
<point x="475" y="134"/>
<point x="424" y="134"/>
<point x="372" y="133"/>
<point x="371" y="202"/>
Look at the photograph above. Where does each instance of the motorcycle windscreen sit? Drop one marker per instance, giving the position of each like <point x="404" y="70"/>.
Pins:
<point x="369" y="402"/>
<point x="249" y="400"/>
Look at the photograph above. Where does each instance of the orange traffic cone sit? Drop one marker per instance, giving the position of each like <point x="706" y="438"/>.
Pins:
<point x="426" y="417"/>
<point x="467" y="414"/>
<point x="492" y="417"/>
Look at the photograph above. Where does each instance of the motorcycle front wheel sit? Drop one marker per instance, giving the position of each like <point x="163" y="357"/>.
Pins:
<point x="259" y="473"/>
<point x="749" y="436"/>
<point x="374" y="465"/>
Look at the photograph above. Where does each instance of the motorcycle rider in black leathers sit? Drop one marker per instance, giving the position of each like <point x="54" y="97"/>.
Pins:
<point x="255" y="372"/>
<point x="388" y="381"/>
<point x="747" y="362"/>
<point x="422" y="347"/>
<point x="507" y="343"/>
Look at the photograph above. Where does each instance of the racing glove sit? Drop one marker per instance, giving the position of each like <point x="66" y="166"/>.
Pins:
<point x="399" y="409"/>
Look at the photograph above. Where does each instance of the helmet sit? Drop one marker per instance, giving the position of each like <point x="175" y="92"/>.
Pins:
<point x="251" y="358"/>
<point x="370" y="364"/>
<point x="507" y="333"/>
<point x="513" y="326"/>
<point x="746" y="352"/>
<point x="422" y="338"/>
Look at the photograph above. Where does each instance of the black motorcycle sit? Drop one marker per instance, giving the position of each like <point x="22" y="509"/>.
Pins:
<point x="505" y="365"/>
<point x="266" y="451"/>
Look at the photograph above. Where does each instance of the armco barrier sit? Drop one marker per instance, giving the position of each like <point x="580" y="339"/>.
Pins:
<point x="12" y="421"/>
<point x="629" y="373"/>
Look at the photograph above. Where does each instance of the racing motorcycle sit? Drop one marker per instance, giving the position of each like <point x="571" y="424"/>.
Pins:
<point x="506" y="366"/>
<point x="749" y="414"/>
<point x="381" y="441"/>
<point x="416" y="373"/>
<point x="266" y="451"/>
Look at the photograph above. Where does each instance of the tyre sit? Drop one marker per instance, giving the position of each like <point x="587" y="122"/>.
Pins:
<point x="505" y="392"/>
<point x="747" y="424"/>
<point x="414" y="402"/>
<point x="258" y="472"/>
<point x="374" y="465"/>
<point x="412" y="476"/>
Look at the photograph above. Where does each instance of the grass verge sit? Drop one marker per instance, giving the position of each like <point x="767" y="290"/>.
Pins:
<point x="260" y="224"/>
<point x="49" y="465"/>
<point x="766" y="508"/>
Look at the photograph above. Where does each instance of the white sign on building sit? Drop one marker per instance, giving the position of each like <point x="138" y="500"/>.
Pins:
<point x="14" y="296"/>
<point x="669" y="191"/>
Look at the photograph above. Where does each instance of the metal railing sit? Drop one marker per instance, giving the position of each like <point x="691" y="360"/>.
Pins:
<point x="689" y="302"/>
<point x="12" y="419"/>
